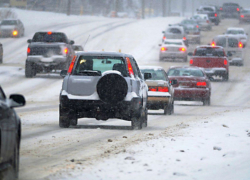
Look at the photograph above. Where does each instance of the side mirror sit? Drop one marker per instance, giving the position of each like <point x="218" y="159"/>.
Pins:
<point x="147" y="76"/>
<point x="163" y="32"/>
<point x="71" y="42"/>
<point x="190" y="54"/>
<point x="63" y="73"/>
<point x="29" y="41"/>
<point x="17" y="100"/>
<point x="173" y="82"/>
<point x="159" y="44"/>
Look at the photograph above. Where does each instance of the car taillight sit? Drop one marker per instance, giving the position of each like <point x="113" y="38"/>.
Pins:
<point x="225" y="62"/>
<point x="242" y="16"/>
<point x="182" y="49"/>
<point x="184" y="38"/>
<point x="164" y="37"/>
<point x="191" y="61"/>
<point x="213" y="44"/>
<point x="201" y="84"/>
<point x="15" y="33"/>
<point x="130" y="68"/>
<point x="72" y="65"/>
<point x="28" y="50"/>
<point x="238" y="9"/>
<point x="152" y="88"/>
<point x="197" y="26"/>
<point x="160" y="89"/>
<point x="207" y="21"/>
<point x="49" y="33"/>
<point x="221" y="9"/>
<point x="215" y="15"/>
<point x="163" y="89"/>
<point x="240" y="45"/>
<point x="164" y="49"/>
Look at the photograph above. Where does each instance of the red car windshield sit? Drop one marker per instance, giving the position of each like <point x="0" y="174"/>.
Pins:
<point x="185" y="72"/>
<point x="209" y="52"/>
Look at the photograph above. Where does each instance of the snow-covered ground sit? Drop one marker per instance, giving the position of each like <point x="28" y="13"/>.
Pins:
<point x="210" y="148"/>
<point x="180" y="146"/>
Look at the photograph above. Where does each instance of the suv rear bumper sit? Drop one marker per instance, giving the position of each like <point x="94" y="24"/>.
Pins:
<point x="97" y="108"/>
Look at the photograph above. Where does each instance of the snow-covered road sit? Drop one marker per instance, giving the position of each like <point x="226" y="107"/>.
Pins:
<point x="48" y="151"/>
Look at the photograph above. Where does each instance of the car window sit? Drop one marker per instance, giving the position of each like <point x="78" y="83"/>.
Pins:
<point x="208" y="9"/>
<point x="235" y="32"/>
<point x="221" y="41"/>
<point x="9" y="22"/>
<point x="49" y="37"/>
<point x="172" y="43"/>
<point x="185" y="72"/>
<point x="157" y="74"/>
<point x="209" y="52"/>
<point x="99" y="64"/>
<point x="174" y="30"/>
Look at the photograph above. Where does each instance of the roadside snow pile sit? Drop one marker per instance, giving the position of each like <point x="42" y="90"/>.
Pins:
<point x="214" y="148"/>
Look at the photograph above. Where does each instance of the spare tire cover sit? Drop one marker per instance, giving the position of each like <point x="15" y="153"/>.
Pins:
<point x="112" y="88"/>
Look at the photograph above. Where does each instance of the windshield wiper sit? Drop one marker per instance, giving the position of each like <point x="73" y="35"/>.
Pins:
<point x="90" y="72"/>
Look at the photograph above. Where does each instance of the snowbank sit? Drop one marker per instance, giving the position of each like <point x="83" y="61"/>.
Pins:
<point x="212" y="148"/>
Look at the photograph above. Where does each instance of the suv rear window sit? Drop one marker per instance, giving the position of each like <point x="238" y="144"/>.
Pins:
<point x="209" y="52"/>
<point x="208" y="9"/>
<point x="232" y="42"/>
<point x="174" y="30"/>
<point x="95" y="65"/>
<point x="47" y="37"/>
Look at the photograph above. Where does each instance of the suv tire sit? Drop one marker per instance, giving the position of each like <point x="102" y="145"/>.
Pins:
<point x="137" y="120"/>
<point x="30" y="70"/>
<point x="64" y="121"/>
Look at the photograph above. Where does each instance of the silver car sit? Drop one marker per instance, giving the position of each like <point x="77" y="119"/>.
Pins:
<point x="173" y="49"/>
<point x="103" y="85"/>
<point x="12" y="28"/>
<point x="233" y="48"/>
<point x="160" y="90"/>
<point x="203" y="21"/>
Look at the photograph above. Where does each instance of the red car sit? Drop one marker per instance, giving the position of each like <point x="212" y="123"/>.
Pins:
<point x="192" y="84"/>
<point x="213" y="59"/>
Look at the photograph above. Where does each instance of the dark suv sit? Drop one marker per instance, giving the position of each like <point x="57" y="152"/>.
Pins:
<point x="212" y="12"/>
<point x="230" y="10"/>
<point x="103" y="85"/>
<point x="10" y="133"/>
<point x="48" y="51"/>
<point x="1" y="53"/>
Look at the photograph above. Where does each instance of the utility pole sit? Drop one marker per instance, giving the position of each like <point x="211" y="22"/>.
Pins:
<point x="164" y="8"/>
<point x="143" y="9"/>
<point x="69" y="5"/>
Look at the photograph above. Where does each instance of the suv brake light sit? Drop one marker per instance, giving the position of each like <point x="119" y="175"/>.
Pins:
<point x="49" y="33"/>
<point x="242" y="16"/>
<point x="164" y="37"/>
<point x="184" y="38"/>
<point x="215" y="15"/>
<point x="163" y="89"/>
<point x="72" y="65"/>
<point x="130" y="68"/>
<point x="15" y="33"/>
<point x="213" y="44"/>
<point x="238" y="9"/>
<point x="197" y="26"/>
<point x="201" y="84"/>
<point x="191" y="61"/>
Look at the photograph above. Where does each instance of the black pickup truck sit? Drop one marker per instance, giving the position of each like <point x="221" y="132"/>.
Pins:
<point x="48" y="51"/>
<point x="212" y="12"/>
